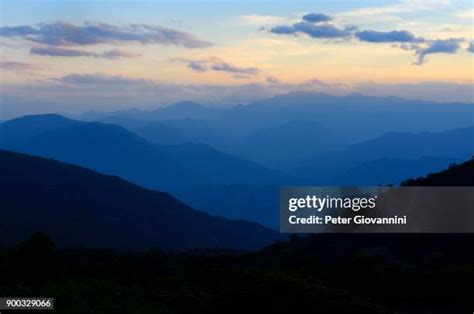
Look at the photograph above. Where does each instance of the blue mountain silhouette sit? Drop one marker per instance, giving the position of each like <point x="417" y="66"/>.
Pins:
<point x="112" y="149"/>
<point x="79" y="207"/>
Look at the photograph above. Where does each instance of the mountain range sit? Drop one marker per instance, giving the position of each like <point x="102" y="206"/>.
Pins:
<point x="230" y="161"/>
<point x="364" y="116"/>
<point x="359" y="162"/>
<point x="80" y="207"/>
<point x="293" y="126"/>
<point x="112" y="149"/>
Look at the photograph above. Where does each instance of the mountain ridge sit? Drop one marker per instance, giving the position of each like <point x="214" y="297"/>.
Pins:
<point x="113" y="149"/>
<point x="81" y="207"/>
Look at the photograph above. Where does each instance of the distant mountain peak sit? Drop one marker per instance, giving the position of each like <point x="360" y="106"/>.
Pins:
<point x="355" y="95"/>
<point x="187" y="103"/>
<point x="27" y="126"/>
<point x="39" y="117"/>
<point x="182" y="105"/>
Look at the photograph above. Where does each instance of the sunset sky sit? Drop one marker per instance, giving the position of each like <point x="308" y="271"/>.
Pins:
<point x="74" y="56"/>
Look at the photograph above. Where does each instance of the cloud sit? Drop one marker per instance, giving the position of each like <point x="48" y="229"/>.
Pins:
<point x="82" y="92"/>
<point x="408" y="46"/>
<point x="227" y="67"/>
<point x="471" y="47"/>
<point x="313" y="30"/>
<point x="117" y="54"/>
<point x="320" y="83"/>
<point x="218" y="65"/>
<point x="402" y="36"/>
<point x="19" y="66"/>
<point x="197" y="66"/>
<point x="101" y="79"/>
<point x="68" y="34"/>
<point x="17" y="31"/>
<point x="241" y="76"/>
<point x="61" y="52"/>
<point x="272" y="80"/>
<point x="315" y="25"/>
<point x="283" y="30"/>
<point x="316" y="18"/>
<point x="450" y="46"/>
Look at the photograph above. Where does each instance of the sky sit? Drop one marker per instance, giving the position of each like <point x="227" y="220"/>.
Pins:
<point x="75" y="56"/>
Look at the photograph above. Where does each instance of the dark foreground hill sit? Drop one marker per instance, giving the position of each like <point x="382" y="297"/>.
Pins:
<point x="332" y="273"/>
<point x="79" y="207"/>
<point x="456" y="175"/>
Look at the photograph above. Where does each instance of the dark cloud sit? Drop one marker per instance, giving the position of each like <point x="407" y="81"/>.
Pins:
<point x="283" y="30"/>
<point x="316" y="18"/>
<point x="227" y="67"/>
<point x="321" y="31"/>
<point x="101" y="79"/>
<point x="313" y="30"/>
<point x="218" y="65"/>
<point x="197" y="66"/>
<point x="68" y="34"/>
<point x="471" y="47"/>
<point x="61" y="52"/>
<point x="20" y="31"/>
<point x="19" y="66"/>
<point x="310" y="25"/>
<point x="450" y="45"/>
<point x="421" y="46"/>
<point x="387" y="37"/>
<point x="317" y="25"/>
